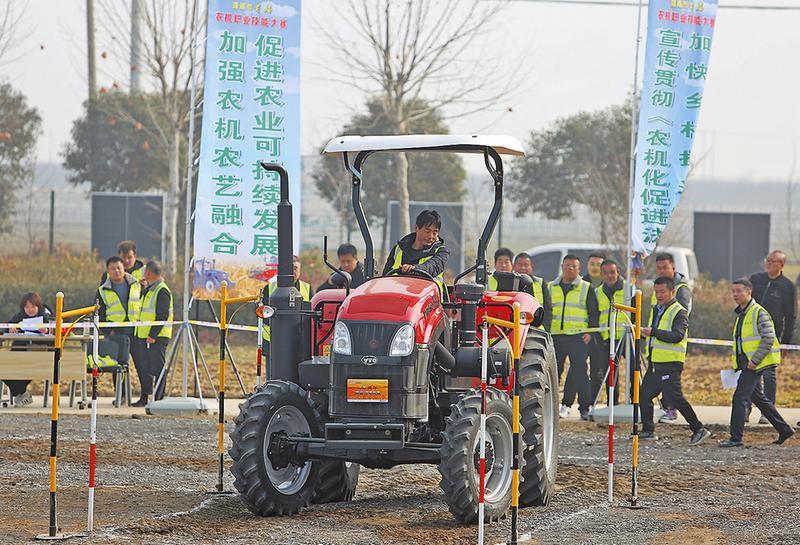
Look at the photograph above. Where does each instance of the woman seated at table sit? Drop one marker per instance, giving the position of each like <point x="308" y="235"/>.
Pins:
<point x="30" y="308"/>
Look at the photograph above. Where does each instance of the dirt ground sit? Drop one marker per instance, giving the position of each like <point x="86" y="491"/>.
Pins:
<point x="153" y="473"/>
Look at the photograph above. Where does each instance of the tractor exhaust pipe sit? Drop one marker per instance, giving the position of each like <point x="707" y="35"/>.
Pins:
<point x="285" y="336"/>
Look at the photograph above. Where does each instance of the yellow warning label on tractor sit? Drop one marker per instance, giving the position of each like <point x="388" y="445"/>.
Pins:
<point x="368" y="390"/>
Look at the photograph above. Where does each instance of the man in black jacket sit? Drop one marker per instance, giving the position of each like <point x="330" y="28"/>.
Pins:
<point x="778" y="295"/>
<point x="423" y="250"/>
<point x="348" y="262"/>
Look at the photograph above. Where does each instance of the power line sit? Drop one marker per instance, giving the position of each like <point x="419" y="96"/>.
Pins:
<point x="635" y="4"/>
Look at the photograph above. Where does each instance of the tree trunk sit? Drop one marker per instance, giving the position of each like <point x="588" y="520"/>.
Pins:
<point x="401" y="166"/>
<point x="171" y="206"/>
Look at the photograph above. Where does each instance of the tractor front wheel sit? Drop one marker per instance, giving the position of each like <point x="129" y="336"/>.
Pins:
<point x="276" y="407"/>
<point x="538" y="385"/>
<point x="460" y="455"/>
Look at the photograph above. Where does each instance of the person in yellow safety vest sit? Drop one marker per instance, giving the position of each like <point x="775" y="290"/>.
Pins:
<point x="613" y="289"/>
<point x="523" y="264"/>
<point x="665" y="266"/>
<point x="423" y="250"/>
<point x="574" y="311"/>
<point x="151" y="341"/>
<point x="306" y="291"/>
<point x="667" y="339"/>
<point x="755" y="348"/>
<point x="119" y="297"/>
<point x="126" y="250"/>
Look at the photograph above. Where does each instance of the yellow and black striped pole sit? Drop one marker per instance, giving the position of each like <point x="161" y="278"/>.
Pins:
<point x="223" y="330"/>
<point x="516" y="443"/>
<point x="637" y="335"/>
<point x="58" y="344"/>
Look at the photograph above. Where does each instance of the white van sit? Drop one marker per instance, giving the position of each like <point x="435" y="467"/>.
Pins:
<point x="547" y="258"/>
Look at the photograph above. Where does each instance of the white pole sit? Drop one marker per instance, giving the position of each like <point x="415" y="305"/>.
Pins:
<point x="482" y="435"/>
<point x="611" y="378"/>
<point x="188" y="208"/>
<point x="259" y="351"/>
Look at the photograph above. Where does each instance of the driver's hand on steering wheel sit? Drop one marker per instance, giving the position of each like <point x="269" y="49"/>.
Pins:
<point x="407" y="268"/>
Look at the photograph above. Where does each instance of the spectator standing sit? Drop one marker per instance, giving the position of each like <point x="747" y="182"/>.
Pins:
<point x="31" y="306"/>
<point x="778" y="296"/>
<point x="614" y="289"/>
<point x="665" y="267"/>
<point x="151" y="341"/>
<point x="126" y="250"/>
<point x="593" y="274"/>
<point x="523" y="264"/>
<point x="120" y="301"/>
<point x="574" y="309"/>
<point x="755" y="349"/>
<point x="349" y="263"/>
<point x="667" y="340"/>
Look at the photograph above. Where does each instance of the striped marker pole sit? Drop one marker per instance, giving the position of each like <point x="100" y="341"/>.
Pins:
<point x="223" y="318"/>
<point x="482" y="433"/>
<point x="611" y="376"/>
<point x="93" y="423"/>
<point x="635" y="394"/>
<point x="53" y="530"/>
<point x="515" y="350"/>
<point x="259" y="350"/>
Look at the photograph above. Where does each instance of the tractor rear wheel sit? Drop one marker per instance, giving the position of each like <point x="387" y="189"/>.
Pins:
<point x="460" y="454"/>
<point x="275" y="407"/>
<point x="538" y="386"/>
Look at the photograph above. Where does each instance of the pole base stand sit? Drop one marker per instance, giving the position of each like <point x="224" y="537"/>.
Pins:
<point x="178" y="406"/>
<point x="632" y="505"/>
<point x="524" y="539"/>
<point x="60" y="536"/>
<point x="222" y="493"/>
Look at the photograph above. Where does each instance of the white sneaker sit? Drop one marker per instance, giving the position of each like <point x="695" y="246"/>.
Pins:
<point x="23" y="399"/>
<point x="563" y="412"/>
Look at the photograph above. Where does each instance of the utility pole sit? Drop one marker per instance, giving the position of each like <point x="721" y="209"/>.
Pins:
<point x="90" y="48"/>
<point x="136" y="45"/>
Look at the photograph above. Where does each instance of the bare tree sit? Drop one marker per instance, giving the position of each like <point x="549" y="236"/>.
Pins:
<point x="10" y="21"/>
<point x="412" y="53"/>
<point x="166" y="40"/>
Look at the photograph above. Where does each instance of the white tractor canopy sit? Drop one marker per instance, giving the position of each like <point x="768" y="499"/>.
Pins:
<point x="464" y="143"/>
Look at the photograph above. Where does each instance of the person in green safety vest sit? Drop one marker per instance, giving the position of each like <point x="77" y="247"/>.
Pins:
<point x="613" y="289"/>
<point x="574" y="311"/>
<point x="151" y="341"/>
<point x="423" y="250"/>
<point x="119" y="297"/>
<point x="306" y="291"/>
<point x="666" y="342"/>
<point x="126" y="250"/>
<point x="665" y="266"/>
<point x="755" y="348"/>
<point x="523" y="264"/>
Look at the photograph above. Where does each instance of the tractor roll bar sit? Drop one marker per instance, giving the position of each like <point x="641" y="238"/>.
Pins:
<point x="495" y="168"/>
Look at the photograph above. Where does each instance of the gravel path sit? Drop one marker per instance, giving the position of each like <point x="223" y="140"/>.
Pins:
<point x="153" y="474"/>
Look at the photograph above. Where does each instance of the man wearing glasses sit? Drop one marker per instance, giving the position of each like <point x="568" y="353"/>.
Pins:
<point x="778" y="295"/>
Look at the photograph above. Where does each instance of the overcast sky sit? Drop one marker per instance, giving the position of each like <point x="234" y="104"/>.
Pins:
<point x="574" y="58"/>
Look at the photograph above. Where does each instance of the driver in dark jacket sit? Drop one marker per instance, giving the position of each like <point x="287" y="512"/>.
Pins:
<point x="423" y="250"/>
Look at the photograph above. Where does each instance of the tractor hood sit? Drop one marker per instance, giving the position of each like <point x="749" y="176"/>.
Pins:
<point x="396" y="299"/>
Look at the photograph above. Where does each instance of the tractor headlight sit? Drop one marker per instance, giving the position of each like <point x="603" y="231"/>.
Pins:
<point x="403" y="341"/>
<point x="341" y="339"/>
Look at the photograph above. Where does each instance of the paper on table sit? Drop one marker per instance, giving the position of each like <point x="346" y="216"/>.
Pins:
<point x="32" y="325"/>
<point x="729" y="378"/>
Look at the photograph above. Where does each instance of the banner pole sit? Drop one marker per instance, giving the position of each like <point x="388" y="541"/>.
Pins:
<point x="187" y="261"/>
<point x="632" y="179"/>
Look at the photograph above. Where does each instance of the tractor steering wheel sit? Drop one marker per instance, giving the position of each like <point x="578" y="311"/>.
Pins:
<point x="414" y="272"/>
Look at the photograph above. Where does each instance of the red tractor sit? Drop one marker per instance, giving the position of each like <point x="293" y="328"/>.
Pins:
<point x="385" y="374"/>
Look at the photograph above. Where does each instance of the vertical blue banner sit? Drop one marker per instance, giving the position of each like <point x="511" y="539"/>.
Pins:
<point x="679" y="35"/>
<point x="251" y="113"/>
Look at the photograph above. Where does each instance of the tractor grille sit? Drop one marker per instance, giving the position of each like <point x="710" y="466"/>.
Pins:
<point x="372" y="338"/>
